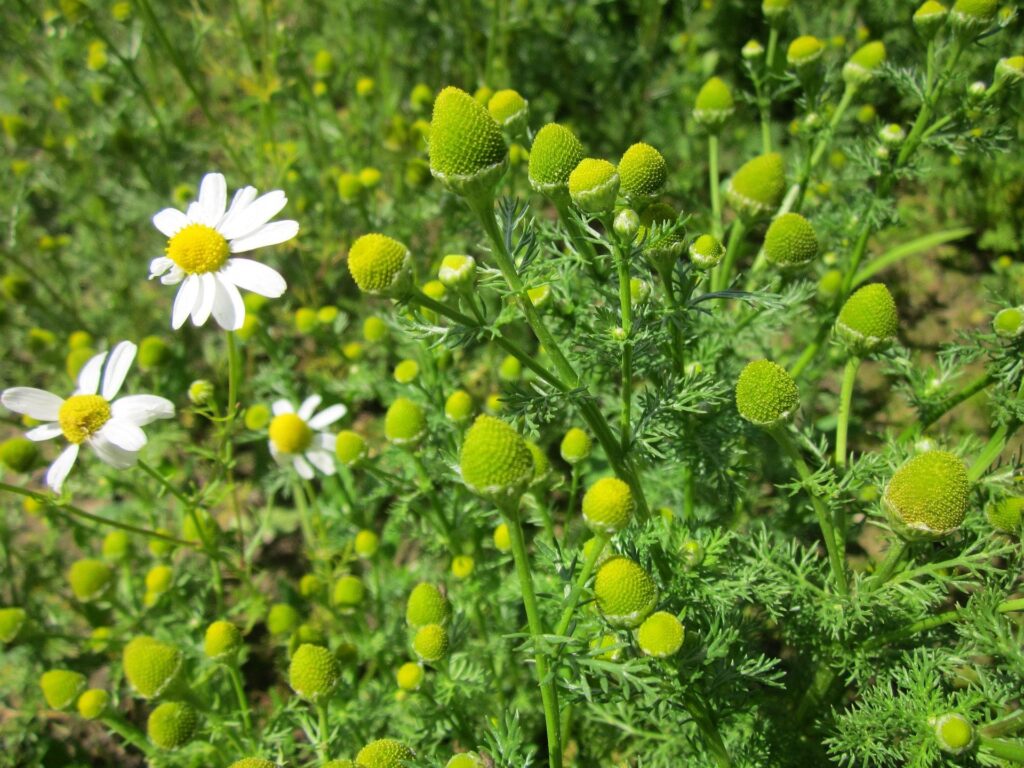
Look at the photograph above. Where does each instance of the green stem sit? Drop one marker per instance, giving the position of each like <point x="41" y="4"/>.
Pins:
<point x="723" y="273"/>
<point x="129" y="733"/>
<point x="243" y="704"/>
<point x="574" y="488"/>
<point x="227" y="444"/>
<point x="714" y="184"/>
<point x="581" y="581"/>
<point x="991" y="451"/>
<point x="931" y="622"/>
<point x="897" y="549"/>
<point x="299" y="497"/>
<point x="579" y="242"/>
<point x="1007" y="750"/>
<point x="323" y="733"/>
<point x="845" y="400"/>
<point x="626" y="367"/>
<point x="969" y="391"/>
<point x="712" y="737"/>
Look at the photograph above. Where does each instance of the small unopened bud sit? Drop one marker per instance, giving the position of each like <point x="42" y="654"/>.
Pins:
<point x="892" y="135"/>
<point x="752" y="50"/>
<point x="200" y="392"/>
<point x="627" y="223"/>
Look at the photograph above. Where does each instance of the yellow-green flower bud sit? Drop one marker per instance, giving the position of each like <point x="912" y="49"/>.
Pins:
<point x="494" y="460"/>
<point x="61" y="687"/>
<point x="406" y="371"/>
<point x="375" y="330"/>
<point x="864" y="63"/>
<point x="714" y="104"/>
<point x="463" y="566"/>
<point x="350" y="188"/>
<point x="929" y="17"/>
<point x="409" y="676"/>
<point x="89" y="578"/>
<point x="575" y="446"/>
<point x="1005" y="514"/>
<point x="691" y="553"/>
<point x="626" y="224"/>
<point x="830" y="284"/>
<point x="282" y="619"/>
<point x="426" y="605"/>
<point x="348" y="593"/>
<point x="661" y="635"/>
<point x="366" y="543"/>
<point x="349" y="447"/>
<point x="954" y="733"/>
<point x="642" y="172"/>
<point x="706" y="252"/>
<point x="1010" y="69"/>
<point x="774" y="10"/>
<point x="79" y="340"/>
<point x="159" y="578"/>
<point x="93" y="703"/>
<point x="313" y="673"/>
<point x="222" y="640"/>
<point x="257" y="417"/>
<point x="502" y="538"/>
<point x="365" y="86"/>
<point x="380" y="265"/>
<point x="973" y="15"/>
<point x="11" y="622"/>
<point x="467" y="151"/>
<point x="608" y="506"/>
<point x="459" y="406"/>
<point x="457" y="270"/>
<point x="510" y="369"/>
<point x="172" y="725"/>
<point x="465" y="760"/>
<point x="927" y="497"/>
<point x="541" y="465"/>
<point x="305" y="320"/>
<point x="153" y="352"/>
<point x="804" y="51"/>
<point x="606" y="648"/>
<point x="369" y="178"/>
<point x="661" y="250"/>
<point x="790" y="241"/>
<point x="868" y="320"/>
<point x="434" y="289"/>
<point x="431" y="642"/>
<point x="206" y="530"/>
<point x="200" y="392"/>
<point x="384" y="753"/>
<point x="625" y="594"/>
<point x="308" y="634"/>
<point x="892" y="135"/>
<point x="758" y="186"/>
<point x="751" y="50"/>
<point x="253" y="762"/>
<point x="509" y="110"/>
<point x="594" y="185"/>
<point x="420" y="97"/>
<point x="554" y="155"/>
<point x="310" y="585"/>
<point x="19" y="454"/>
<point x="766" y="394"/>
<point x="404" y="422"/>
<point x="150" y="665"/>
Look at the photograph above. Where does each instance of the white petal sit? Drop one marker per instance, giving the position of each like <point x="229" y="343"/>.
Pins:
<point x="37" y="403"/>
<point x="309" y="405"/>
<point x="322" y="460"/>
<point x="186" y="299"/>
<point x="141" y="410"/>
<point x="89" y="376"/>
<point x="270" y="234"/>
<point x="281" y="406"/>
<point x="159" y="266"/>
<point x="242" y="199"/>
<point x="204" y="301"/>
<point x="196" y="213"/>
<point x="123" y="434"/>
<point x="174" y="276"/>
<point x="328" y="416"/>
<point x="276" y="454"/>
<point x="255" y="215"/>
<point x="213" y="196"/>
<point x="44" y="432"/>
<point x="58" y="471"/>
<point x="325" y="441"/>
<point x="228" y="309"/>
<point x="118" y="363"/>
<point x="169" y="221"/>
<point x="302" y="467"/>
<point x="111" y="454"/>
<point x="255" y="277"/>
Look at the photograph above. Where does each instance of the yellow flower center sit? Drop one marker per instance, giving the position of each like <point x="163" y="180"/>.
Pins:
<point x="290" y="434"/>
<point x="82" y="416"/>
<point x="198" y="248"/>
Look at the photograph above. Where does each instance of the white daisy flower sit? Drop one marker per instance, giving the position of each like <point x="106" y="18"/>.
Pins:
<point x="296" y="436"/>
<point x="200" y="247"/>
<point x="112" y="428"/>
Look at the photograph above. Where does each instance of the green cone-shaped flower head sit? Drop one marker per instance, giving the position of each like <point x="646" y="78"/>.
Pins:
<point x="19" y="454"/>
<point x="706" y="252"/>
<point x="774" y="9"/>
<point x="642" y="172"/>
<point x="864" y="63"/>
<point x="380" y="265"/>
<point x="927" y="497"/>
<point x="1005" y="514"/>
<point x="459" y="406"/>
<point x="663" y="249"/>
<point x="575" y="446"/>
<point x="625" y="593"/>
<point x="457" y="270"/>
<point x="93" y="703"/>
<point x="282" y="619"/>
<point x="594" y="185"/>
<point x="222" y="640"/>
<point x="509" y="110"/>
<point x="89" y="578"/>
<point x="150" y="665"/>
<point x="1009" y="323"/>
<point x="804" y="51"/>
<point x="790" y="241"/>
<point x="405" y="423"/>
<point x="384" y="753"/>
<point x="349" y="447"/>
<point x="11" y="622"/>
<point x="968" y="15"/>
<point x="494" y="460"/>
<point x="313" y="673"/>
<point x="430" y="642"/>
<point x="758" y="186"/>
<point x="868" y="320"/>
<point x="409" y="676"/>
<point x="608" y="506"/>
<point x="1010" y="69"/>
<point x="661" y="635"/>
<point x="172" y="725"/>
<point x="349" y="592"/>
<point x="465" y="760"/>
<point x="954" y="733"/>
<point x="61" y="687"/>
<point x="714" y="104"/>
<point x="252" y="762"/>
<point x="426" y="605"/>
<point x="766" y="394"/>
<point x="467" y="151"/>
<point x="929" y="17"/>
<point x="554" y="155"/>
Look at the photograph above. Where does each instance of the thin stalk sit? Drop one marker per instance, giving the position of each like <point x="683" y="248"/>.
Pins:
<point x="714" y="184"/>
<point x="893" y="557"/>
<point x="227" y="446"/>
<point x="582" y="578"/>
<point x="129" y="733"/>
<point x="764" y="102"/>
<point x="626" y="366"/>
<point x="723" y="273"/>
<point x="299" y="497"/>
<point x="243" y="704"/>
<point x="712" y="737"/>
<point x="574" y="489"/>
<point x="1007" y="750"/>
<point x="845" y="401"/>
<point x="947" y="617"/>
<point x="576" y="237"/>
<point x="991" y="451"/>
<point x="323" y="733"/>
<point x="970" y="390"/>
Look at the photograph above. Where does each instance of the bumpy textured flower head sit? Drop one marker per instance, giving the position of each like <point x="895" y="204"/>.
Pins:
<point x="927" y="497"/>
<point x="968" y="15"/>
<point x="222" y="640"/>
<point x="431" y="642"/>
<point x="94" y="414"/>
<point x="349" y="447"/>
<point x="297" y="436"/>
<point x="202" y="246"/>
<point x="426" y="605"/>
<point x="804" y="51"/>
<point x="384" y="753"/>
<point x="541" y="465"/>
<point x="766" y="394"/>
<point x="18" y="454"/>
<point x="1010" y="69"/>
<point x="509" y="110"/>
<point x="456" y="270"/>
<point x="465" y="760"/>
<point x="11" y="622"/>
<point x="758" y="186"/>
<point x="409" y="676"/>
<point x="954" y="733"/>
<point x="594" y="185"/>
<point x="348" y="592"/>
<point x="661" y="635"/>
<point x="625" y="593"/>
<point x="554" y="155"/>
<point x="868" y="320"/>
<point x="380" y="265"/>
<point x="61" y="687"/>
<point x="1005" y="515"/>
<point x="661" y="247"/>
<point x="150" y="665"/>
<point x="714" y="104"/>
<point x="405" y="423"/>
<point x="253" y="762"/>
<point x="89" y="578"/>
<point x="1009" y="323"/>
<point x="790" y="241"/>
<point x="467" y="151"/>
<point x="93" y="703"/>
<point x="576" y="446"/>
<point x="172" y="725"/>
<point x="642" y="172"/>
<point x="459" y="406"/>
<point x="313" y="673"/>
<point x="494" y="460"/>
<point x="929" y="17"/>
<point x="864" y="63"/>
<point x="706" y="252"/>
<point x="608" y="506"/>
